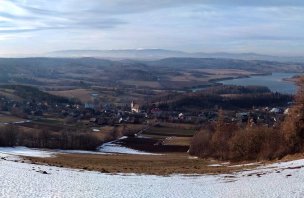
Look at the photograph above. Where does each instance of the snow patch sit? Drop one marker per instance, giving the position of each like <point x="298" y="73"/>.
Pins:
<point x="115" y="148"/>
<point x="81" y="152"/>
<point x="106" y="149"/>
<point x="249" y="164"/>
<point x="219" y="165"/>
<point x="24" y="151"/>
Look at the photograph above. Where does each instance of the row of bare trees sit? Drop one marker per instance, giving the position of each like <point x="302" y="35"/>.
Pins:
<point x="13" y="136"/>
<point x="230" y="142"/>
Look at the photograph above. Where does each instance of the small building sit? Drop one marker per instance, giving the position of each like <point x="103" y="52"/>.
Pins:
<point x="135" y="107"/>
<point x="181" y="116"/>
<point x="93" y="120"/>
<point x="89" y="106"/>
<point x="275" y="110"/>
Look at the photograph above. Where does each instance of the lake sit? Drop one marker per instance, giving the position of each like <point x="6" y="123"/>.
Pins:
<point x="275" y="82"/>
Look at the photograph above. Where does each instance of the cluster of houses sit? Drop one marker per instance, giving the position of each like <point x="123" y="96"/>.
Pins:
<point x="107" y="114"/>
<point x="25" y="108"/>
<point x="262" y="116"/>
<point x="267" y="116"/>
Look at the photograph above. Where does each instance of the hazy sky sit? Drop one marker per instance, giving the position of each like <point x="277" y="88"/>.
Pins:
<point x="262" y="26"/>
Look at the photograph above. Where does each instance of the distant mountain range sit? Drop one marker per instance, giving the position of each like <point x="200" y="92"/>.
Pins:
<point x="153" y="54"/>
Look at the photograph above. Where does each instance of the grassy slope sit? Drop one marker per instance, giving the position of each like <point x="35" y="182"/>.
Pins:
<point x="141" y="164"/>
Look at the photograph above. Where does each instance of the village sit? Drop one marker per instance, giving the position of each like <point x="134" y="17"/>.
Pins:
<point x="93" y="113"/>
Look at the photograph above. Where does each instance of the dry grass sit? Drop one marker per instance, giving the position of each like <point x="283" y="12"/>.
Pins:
<point x="296" y="156"/>
<point x="178" y="141"/>
<point x="140" y="164"/>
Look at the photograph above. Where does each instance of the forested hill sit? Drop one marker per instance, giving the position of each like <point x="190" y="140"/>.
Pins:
<point x="110" y="73"/>
<point x="215" y="63"/>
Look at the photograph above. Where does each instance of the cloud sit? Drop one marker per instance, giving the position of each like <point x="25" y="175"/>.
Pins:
<point x="127" y="6"/>
<point x="193" y="25"/>
<point x="27" y="15"/>
<point x="20" y="16"/>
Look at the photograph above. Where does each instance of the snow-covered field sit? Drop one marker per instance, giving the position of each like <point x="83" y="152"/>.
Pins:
<point x="29" y="180"/>
<point x="113" y="147"/>
<point x="107" y="148"/>
<point x="24" y="151"/>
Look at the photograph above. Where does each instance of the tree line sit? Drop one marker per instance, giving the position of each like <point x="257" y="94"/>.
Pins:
<point x="209" y="101"/>
<point x="11" y="135"/>
<point x="228" y="141"/>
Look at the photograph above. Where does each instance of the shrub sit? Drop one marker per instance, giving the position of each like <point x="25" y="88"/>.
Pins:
<point x="254" y="143"/>
<point x="201" y="144"/>
<point x="293" y="125"/>
<point x="226" y="141"/>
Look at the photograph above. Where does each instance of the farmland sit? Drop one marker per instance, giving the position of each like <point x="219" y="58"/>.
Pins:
<point x="4" y="118"/>
<point x="166" y="131"/>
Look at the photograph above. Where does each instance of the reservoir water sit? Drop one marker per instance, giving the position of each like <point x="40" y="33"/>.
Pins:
<point x="275" y="82"/>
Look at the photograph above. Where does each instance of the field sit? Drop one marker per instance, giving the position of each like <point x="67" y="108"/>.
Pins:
<point x="84" y="95"/>
<point x="204" y="76"/>
<point x="9" y="94"/>
<point x="9" y="118"/>
<point x="142" y="84"/>
<point x="169" y="131"/>
<point x="183" y="141"/>
<point x="225" y="72"/>
<point x="164" y="164"/>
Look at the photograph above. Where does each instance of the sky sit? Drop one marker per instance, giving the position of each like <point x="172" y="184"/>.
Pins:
<point x="35" y="27"/>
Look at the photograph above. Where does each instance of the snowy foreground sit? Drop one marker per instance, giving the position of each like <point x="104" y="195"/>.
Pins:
<point x="28" y="180"/>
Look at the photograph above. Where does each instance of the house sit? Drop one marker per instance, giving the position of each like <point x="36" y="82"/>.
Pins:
<point x="275" y="110"/>
<point x="93" y="119"/>
<point x="89" y="106"/>
<point x="243" y="116"/>
<point x="181" y="116"/>
<point x="135" y="107"/>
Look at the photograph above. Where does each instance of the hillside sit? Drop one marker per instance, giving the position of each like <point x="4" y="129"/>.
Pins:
<point x="163" y="53"/>
<point x="283" y="179"/>
<point x="26" y="93"/>
<point x="219" y="63"/>
<point x="170" y="73"/>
